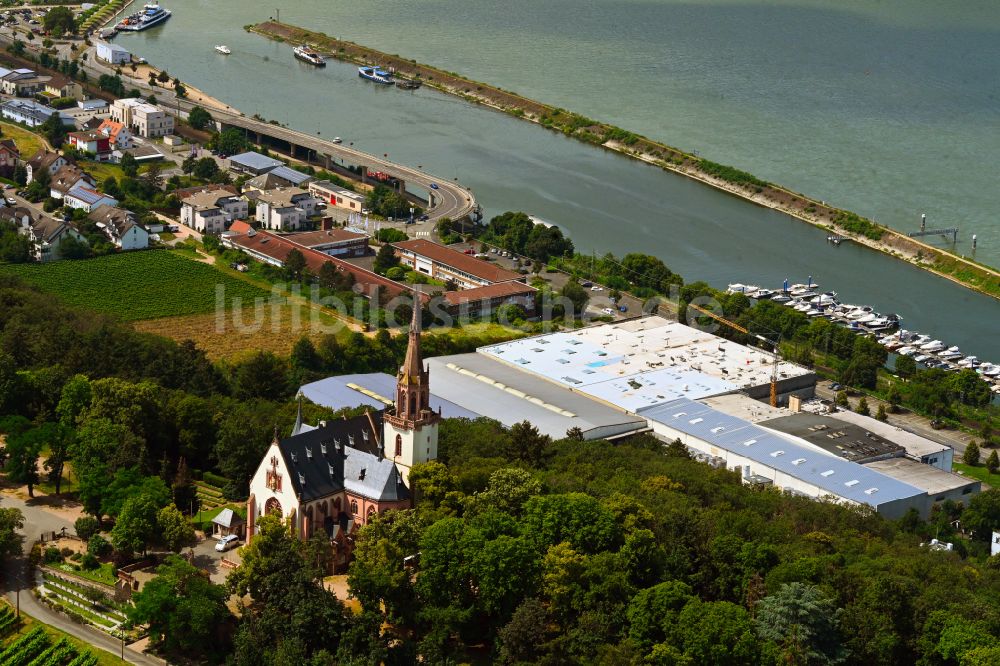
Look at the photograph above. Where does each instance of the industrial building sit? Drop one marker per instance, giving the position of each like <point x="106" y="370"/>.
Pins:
<point x="375" y="390"/>
<point x="655" y="375"/>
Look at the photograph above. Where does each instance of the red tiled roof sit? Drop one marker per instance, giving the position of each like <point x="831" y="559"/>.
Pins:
<point x="278" y="248"/>
<point x="240" y="227"/>
<point x="462" y="262"/>
<point x="498" y="290"/>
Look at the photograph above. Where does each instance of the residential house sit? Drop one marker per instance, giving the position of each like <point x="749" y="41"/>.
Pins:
<point x="62" y="86"/>
<point x="45" y="233"/>
<point x="87" y="198"/>
<point x="10" y="156"/>
<point x="144" y="119"/>
<point x="279" y="177"/>
<point x="118" y="134"/>
<point x="92" y="141"/>
<point x="66" y="178"/>
<point x="284" y="208"/>
<point x="44" y="160"/>
<point x="121" y="227"/>
<point x="113" y="53"/>
<point x="337" y="196"/>
<point x="30" y="113"/>
<point x="252" y="163"/>
<point x="23" y="83"/>
<point x="210" y="209"/>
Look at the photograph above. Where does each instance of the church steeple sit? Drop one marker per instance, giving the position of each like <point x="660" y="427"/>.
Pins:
<point x="413" y="382"/>
<point x="411" y="429"/>
<point x="412" y="370"/>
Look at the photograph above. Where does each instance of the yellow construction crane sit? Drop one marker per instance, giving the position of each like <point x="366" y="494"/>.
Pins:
<point x="742" y="329"/>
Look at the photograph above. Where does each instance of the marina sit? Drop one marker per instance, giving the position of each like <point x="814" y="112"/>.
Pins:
<point x="864" y="320"/>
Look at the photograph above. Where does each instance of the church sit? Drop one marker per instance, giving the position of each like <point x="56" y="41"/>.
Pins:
<point x="333" y="477"/>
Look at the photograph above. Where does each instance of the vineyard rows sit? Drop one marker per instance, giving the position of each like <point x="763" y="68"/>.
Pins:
<point x="138" y="285"/>
<point x="36" y="648"/>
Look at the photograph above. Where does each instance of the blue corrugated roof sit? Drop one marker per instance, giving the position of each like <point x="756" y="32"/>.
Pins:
<point x="831" y="473"/>
<point x="334" y="392"/>
<point x="291" y="175"/>
<point x="252" y="160"/>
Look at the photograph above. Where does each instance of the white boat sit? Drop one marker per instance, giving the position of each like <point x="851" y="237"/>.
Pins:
<point x="906" y="351"/>
<point x="968" y="362"/>
<point x="867" y="318"/>
<point x="223" y="49"/>
<point x="933" y="346"/>
<point x="737" y="288"/>
<point x="781" y="298"/>
<point x="950" y="353"/>
<point x="337" y="139"/>
<point x="921" y="340"/>
<point x="151" y="14"/>
<point x="309" y="55"/>
<point x="989" y="370"/>
<point x="857" y="314"/>
<point x="920" y="358"/>
<point x="763" y="294"/>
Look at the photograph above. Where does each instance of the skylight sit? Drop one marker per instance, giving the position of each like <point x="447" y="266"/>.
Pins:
<point x="871" y="491"/>
<point x="827" y="473"/>
<point x="777" y="454"/>
<point x="798" y="461"/>
<point x="750" y="442"/>
<point x="851" y="483"/>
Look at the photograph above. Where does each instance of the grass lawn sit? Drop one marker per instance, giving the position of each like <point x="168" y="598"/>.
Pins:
<point x="978" y="472"/>
<point x="28" y="143"/>
<point x="100" y="171"/>
<point x="103" y="574"/>
<point x="29" y="623"/>
<point x="138" y="285"/>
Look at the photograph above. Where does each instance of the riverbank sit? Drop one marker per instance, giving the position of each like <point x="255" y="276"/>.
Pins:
<point x="962" y="271"/>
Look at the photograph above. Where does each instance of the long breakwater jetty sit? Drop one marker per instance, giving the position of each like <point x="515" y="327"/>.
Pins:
<point x="841" y="223"/>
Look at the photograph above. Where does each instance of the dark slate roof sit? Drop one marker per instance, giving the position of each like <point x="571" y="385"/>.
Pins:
<point x="330" y="459"/>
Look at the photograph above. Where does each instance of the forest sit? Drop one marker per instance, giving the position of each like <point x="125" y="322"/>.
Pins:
<point x="528" y="550"/>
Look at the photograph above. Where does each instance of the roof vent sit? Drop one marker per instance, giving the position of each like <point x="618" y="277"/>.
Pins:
<point x="336" y="443"/>
<point x="322" y="448"/>
<point x="309" y="453"/>
<point x="361" y="476"/>
<point x="350" y="440"/>
<point x="295" y="458"/>
<point x="798" y="461"/>
<point x="777" y="454"/>
<point x="302" y="479"/>
<point x="717" y="429"/>
<point x="364" y="435"/>
<point x="330" y="469"/>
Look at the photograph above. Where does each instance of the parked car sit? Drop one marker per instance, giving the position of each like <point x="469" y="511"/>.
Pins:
<point x="424" y="218"/>
<point x="11" y="201"/>
<point x="596" y="288"/>
<point x="608" y="311"/>
<point x="227" y="542"/>
<point x="623" y="308"/>
<point x="469" y="251"/>
<point x="834" y="386"/>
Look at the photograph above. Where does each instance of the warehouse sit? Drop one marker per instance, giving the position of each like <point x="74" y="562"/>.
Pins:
<point x="768" y="458"/>
<point x="508" y="395"/>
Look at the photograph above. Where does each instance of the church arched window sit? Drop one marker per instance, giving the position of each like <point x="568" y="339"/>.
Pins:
<point x="272" y="506"/>
<point x="354" y="507"/>
<point x="399" y="444"/>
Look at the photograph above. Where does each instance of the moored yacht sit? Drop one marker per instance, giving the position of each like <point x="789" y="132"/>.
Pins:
<point x="379" y="75"/>
<point x="223" y="49"/>
<point x="152" y="14"/>
<point x="934" y="346"/>
<point x="309" y="55"/>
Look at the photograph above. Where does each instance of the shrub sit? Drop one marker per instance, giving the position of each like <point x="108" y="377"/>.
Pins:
<point x="66" y="552"/>
<point x="214" y="480"/>
<point x="89" y="562"/>
<point x="98" y="546"/>
<point x="86" y="527"/>
<point x="396" y="273"/>
<point x="75" y="557"/>
<point x="52" y="555"/>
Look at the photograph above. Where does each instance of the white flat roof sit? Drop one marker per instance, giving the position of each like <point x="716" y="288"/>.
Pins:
<point x="642" y="362"/>
<point x="926" y="477"/>
<point x="744" y="407"/>
<point x="498" y="391"/>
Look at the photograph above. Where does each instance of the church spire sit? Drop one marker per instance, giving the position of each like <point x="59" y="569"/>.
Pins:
<point x="413" y="366"/>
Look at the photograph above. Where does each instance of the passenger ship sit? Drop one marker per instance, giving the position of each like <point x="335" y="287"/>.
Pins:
<point x="376" y="74"/>
<point x="308" y="55"/>
<point x="152" y="14"/>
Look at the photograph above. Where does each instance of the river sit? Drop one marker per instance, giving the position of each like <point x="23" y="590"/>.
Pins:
<point x="607" y="202"/>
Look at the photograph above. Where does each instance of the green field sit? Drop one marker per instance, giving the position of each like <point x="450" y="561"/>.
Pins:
<point x="137" y="285"/>
<point x="978" y="472"/>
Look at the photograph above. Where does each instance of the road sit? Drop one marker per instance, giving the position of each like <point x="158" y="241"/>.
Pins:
<point x="451" y="199"/>
<point x="38" y="521"/>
